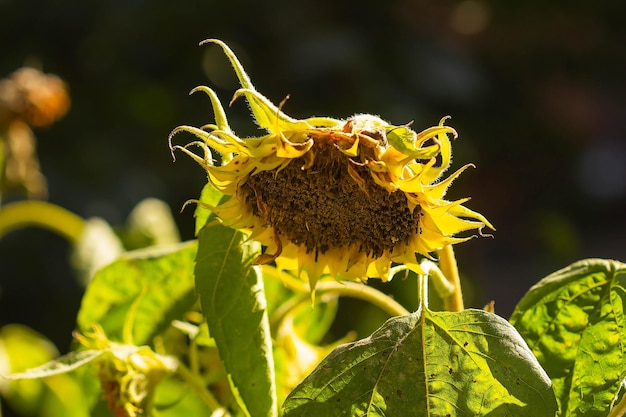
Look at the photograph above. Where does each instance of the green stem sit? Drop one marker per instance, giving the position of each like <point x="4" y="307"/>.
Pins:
<point x="196" y="383"/>
<point x="42" y="214"/>
<point x="422" y="291"/>
<point x="363" y="292"/>
<point x="443" y="287"/>
<point x="349" y="289"/>
<point x="194" y="359"/>
<point x="619" y="410"/>
<point x="447" y="263"/>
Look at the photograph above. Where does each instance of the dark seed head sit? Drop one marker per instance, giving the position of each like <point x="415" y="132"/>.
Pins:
<point x="332" y="203"/>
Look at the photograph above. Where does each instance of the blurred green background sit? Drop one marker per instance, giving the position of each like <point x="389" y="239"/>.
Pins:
<point x="536" y="90"/>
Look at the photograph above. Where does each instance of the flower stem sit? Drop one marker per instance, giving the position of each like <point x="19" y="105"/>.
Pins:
<point x="363" y="292"/>
<point x="42" y="214"/>
<point x="422" y="291"/>
<point x="349" y="289"/>
<point x="447" y="264"/>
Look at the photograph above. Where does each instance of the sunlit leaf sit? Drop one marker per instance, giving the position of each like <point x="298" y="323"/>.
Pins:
<point x="58" y="395"/>
<point x="471" y="363"/>
<point x="573" y="320"/>
<point x="67" y="363"/>
<point x="210" y="197"/>
<point x="150" y="224"/>
<point x="233" y="301"/>
<point x="155" y="285"/>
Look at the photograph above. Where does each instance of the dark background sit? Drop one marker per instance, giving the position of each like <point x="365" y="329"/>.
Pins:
<point x="536" y="90"/>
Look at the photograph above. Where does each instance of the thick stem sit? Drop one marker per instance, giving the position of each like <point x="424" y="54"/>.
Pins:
<point x="447" y="264"/>
<point x="42" y="214"/>
<point x="422" y="291"/>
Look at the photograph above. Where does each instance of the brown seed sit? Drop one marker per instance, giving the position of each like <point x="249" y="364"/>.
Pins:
<point x="332" y="203"/>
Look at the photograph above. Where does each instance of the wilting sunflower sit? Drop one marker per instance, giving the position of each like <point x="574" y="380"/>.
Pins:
<point x="345" y="197"/>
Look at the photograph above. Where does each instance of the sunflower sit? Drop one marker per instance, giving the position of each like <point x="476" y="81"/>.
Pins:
<point x="327" y="196"/>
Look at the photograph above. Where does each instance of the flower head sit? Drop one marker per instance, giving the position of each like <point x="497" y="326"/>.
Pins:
<point x="28" y="98"/>
<point x="36" y="98"/>
<point x="128" y="374"/>
<point x="345" y="197"/>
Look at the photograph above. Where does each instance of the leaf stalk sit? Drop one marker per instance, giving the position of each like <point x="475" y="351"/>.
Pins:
<point x="447" y="263"/>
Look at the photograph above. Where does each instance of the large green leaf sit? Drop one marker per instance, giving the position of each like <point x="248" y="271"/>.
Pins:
<point x="149" y="287"/>
<point x="471" y="363"/>
<point x="233" y="301"/>
<point x="573" y="320"/>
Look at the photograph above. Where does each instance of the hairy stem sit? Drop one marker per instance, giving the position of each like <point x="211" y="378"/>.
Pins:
<point x="447" y="264"/>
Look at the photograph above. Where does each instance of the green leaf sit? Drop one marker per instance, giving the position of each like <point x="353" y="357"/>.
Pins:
<point x="143" y="290"/>
<point x="58" y="395"/>
<point x="405" y="140"/>
<point x="314" y="323"/>
<point x="67" y="363"/>
<point x="471" y="363"/>
<point x="233" y="301"/>
<point x="210" y="197"/>
<point x="150" y="224"/>
<point x="573" y="320"/>
<point x="173" y="398"/>
<point x="97" y="246"/>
